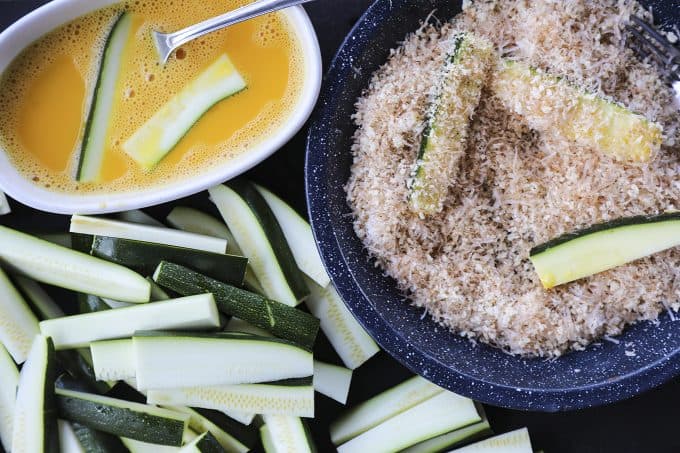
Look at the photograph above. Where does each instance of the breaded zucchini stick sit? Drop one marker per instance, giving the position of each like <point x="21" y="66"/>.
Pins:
<point x="445" y="134"/>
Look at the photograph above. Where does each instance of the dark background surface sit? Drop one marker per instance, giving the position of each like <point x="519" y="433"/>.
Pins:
<point x="646" y="423"/>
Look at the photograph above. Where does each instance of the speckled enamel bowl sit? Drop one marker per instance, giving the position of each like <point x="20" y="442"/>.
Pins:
<point x="645" y="356"/>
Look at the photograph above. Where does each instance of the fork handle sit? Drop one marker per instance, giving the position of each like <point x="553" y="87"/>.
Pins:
<point x="249" y="11"/>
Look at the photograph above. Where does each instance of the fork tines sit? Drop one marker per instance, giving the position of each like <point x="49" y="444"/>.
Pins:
<point x="649" y="43"/>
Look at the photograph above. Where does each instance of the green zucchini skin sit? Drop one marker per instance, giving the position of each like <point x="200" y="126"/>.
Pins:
<point x="626" y="221"/>
<point x="121" y="421"/>
<point x="208" y="444"/>
<point x="144" y="257"/>
<point x="274" y="317"/>
<point x="258" y="205"/>
<point x="94" y="441"/>
<point x="247" y="435"/>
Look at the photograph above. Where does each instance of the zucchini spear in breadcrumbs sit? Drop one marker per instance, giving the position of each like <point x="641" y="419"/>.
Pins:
<point x="550" y="104"/>
<point x="448" y="120"/>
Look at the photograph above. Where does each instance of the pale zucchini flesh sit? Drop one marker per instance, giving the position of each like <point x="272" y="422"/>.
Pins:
<point x="194" y="312"/>
<point x="38" y="298"/>
<point x="66" y="268"/>
<point x="225" y="359"/>
<point x="96" y="226"/>
<point x="382" y="407"/>
<point x="299" y="236"/>
<point x="68" y="441"/>
<point x="444" y="137"/>
<point x="349" y="339"/>
<point x="161" y="133"/>
<point x="199" y="423"/>
<point x="273" y="398"/>
<point x="34" y="427"/>
<point x="285" y="434"/>
<point x="18" y="324"/>
<point x="113" y="360"/>
<point x="551" y="105"/>
<point x="450" y="440"/>
<point x="442" y="413"/>
<point x="94" y="143"/>
<point x="517" y="441"/>
<point x="9" y="377"/>
<point x="604" y="246"/>
<point x="4" y="204"/>
<point x="332" y="381"/>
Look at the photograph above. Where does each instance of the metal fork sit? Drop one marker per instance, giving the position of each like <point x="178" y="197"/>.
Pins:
<point x="649" y="43"/>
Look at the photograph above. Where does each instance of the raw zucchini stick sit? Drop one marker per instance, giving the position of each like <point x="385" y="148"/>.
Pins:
<point x="200" y="423"/>
<point x="97" y="226"/>
<point x="195" y="221"/>
<point x="38" y="299"/>
<point x="93" y="145"/>
<point x="332" y="381"/>
<point x="440" y="414"/>
<point x="604" y="246"/>
<point x="452" y="439"/>
<point x="295" y="397"/>
<point x="299" y="237"/>
<point x="114" y="360"/>
<point x="444" y="137"/>
<point x="382" y="407"/>
<point x="93" y="440"/>
<point x="238" y="325"/>
<point x="35" y="419"/>
<point x="262" y="240"/>
<point x="123" y="418"/>
<point x="9" y="376"/>
<point x="283" y="434"/>
<point x="224" y="359"/>
<point x="551" y="105"/>
<point x="161" y="133"/>
<point x="66" y="268"/>
<point x="195" y="312"/>
<point x="4" y="204"/>
<point x="203" y="443"/>
<point x="68" y="441"/>
<point x="138" y="216"/>
<point x="279" y="319"/>
<point x="19" y="325"/>
<point x="349" y="339"/>
<point x="144" y="257"/>
<point x="517" y="441"/>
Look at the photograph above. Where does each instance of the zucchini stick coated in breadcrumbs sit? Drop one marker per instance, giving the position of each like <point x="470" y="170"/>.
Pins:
<point x="551" y="105"/>
<point x="445" y="134"/>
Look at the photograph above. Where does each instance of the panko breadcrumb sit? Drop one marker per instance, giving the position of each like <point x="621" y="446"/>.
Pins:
<point x="468" y="266"/>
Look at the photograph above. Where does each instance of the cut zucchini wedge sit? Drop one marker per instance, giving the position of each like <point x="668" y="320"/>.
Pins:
<point x="604" y="246"/>
<point x="138" y="216"/>
<point x="517" y="441"/>
<point x="4" y="204"/>
<point x="96" y="226"/>
<point x="238" y="325"/>
<point x="279" y="319"/>
<point x="225" y="359"/>
<point x="123" y="418"/>
<point x="66" y="268"/>
<point x="551" y="105"/>
<point x="161" y="133"/>
<point x="195" y="312"/>
<point x="144" y="257"/>
<point x="93" y="145"/>
<point x="247" y="435"/>
<point x="43" y="305"/>
<point x="195" y="221"/>
<point x="35" y="420"/>
<point x="299" y="236"/>
<point x="349" y="339"/>
<point x="444" y="137"/>
<point x="284" y="434"/>
<point x="200" y="423"/>
<point x="332" y="381"/>
<point x="97" y="441"/>
<point x="382" y="407"/>
<point x="452" y="439"/>
<point x="113" y="360"/>
<point x="18" y="325"/>
<point x="9" y="376"/>
<point x="262" y="240"/>
<point x="294" y="397"/>
<point x="203" y="443"/>
<point x="440" y="414"/>
<point x="68" y="441"/>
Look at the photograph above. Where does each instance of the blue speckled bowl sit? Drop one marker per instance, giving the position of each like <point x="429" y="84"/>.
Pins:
<point x="601" y="374"/>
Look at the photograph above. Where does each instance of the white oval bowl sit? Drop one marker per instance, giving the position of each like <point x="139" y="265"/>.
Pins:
<point x="50" y="16"/>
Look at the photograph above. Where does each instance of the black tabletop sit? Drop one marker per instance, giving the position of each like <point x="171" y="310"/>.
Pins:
<point x="645" y="423"/>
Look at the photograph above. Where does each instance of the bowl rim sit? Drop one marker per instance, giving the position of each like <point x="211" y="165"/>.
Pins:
<point x="393" y="342"/>
<point x="41" y="20"/>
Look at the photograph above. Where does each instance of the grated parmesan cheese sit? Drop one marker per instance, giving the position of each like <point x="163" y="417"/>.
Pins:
<point x="468" y="266"/>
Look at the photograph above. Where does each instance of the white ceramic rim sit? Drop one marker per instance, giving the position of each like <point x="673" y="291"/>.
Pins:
<point x="35" y="24"/>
